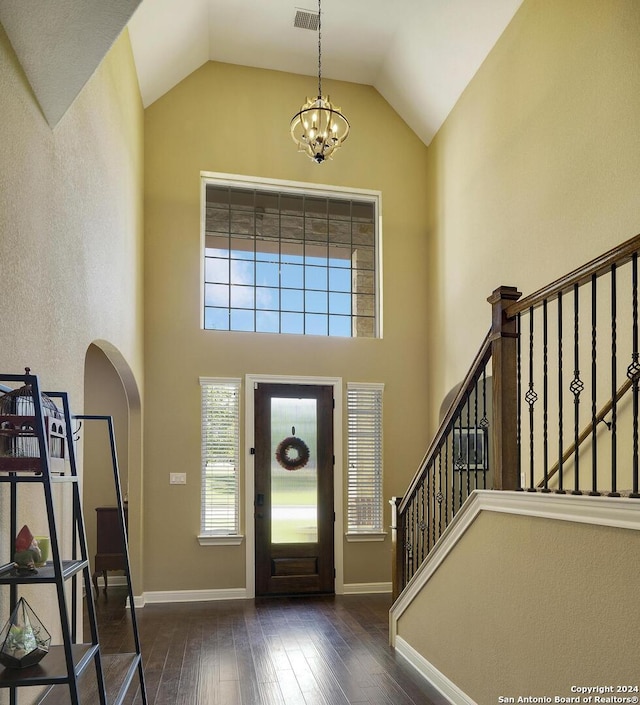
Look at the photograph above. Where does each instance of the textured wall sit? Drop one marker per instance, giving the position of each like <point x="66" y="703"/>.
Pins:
<point x="70" y="233"/>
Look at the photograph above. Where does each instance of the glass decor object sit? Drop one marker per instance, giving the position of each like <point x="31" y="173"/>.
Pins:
<point x="23" y="641"/>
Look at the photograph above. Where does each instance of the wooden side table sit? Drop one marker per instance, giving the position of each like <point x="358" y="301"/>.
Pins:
<point x="110" y="549"/>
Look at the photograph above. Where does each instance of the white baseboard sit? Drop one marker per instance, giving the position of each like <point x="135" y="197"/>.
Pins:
<point x="431" y="674"/>
<point x="160" y="596"/>
<point x="366" y="588"/>
<point x="163" y="596"/>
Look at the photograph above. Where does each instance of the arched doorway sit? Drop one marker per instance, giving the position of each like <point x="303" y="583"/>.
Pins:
<point x="110" y="389"/>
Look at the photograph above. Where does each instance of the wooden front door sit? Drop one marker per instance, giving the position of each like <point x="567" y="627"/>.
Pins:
<point x="294" y="514"/>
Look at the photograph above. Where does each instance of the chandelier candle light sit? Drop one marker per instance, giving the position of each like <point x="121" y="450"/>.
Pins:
<point x="319" y="128"/>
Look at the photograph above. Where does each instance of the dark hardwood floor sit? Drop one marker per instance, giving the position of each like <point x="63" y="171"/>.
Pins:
<point x="278" y="651"/>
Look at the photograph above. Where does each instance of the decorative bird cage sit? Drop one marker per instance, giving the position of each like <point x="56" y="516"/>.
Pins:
<point x="19" y="444"/>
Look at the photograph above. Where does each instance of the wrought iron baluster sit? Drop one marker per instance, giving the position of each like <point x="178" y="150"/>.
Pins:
<point x="545" y="396"/>
<point x="459" y="462"/>
<point x="439" y="498"/>
<point x="476" y="434"/>
<point x="531" y="397"/>
<point x="560" y="489"/>
<point x="446" y="478"/>
<point x="468" y="469"/>
<point x="430" y="477"/>
<point x="413" y="522"/>
<point x="633" y="371"/>
<point x="423" y="525"/>
<point x="614" y="385"/>
<point x="484" y="424"/>
<point x="576" y="388"/>
<point x="594" y="398"/>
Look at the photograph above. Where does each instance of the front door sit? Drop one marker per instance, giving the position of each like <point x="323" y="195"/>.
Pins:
<point x="294" y="489"/>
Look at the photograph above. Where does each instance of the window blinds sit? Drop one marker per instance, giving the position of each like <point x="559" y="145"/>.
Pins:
<point x="364" y="455"/>
<point x="220" y="456"/>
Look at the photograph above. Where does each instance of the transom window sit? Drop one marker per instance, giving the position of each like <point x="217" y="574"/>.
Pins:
<point x="289" y="261"/>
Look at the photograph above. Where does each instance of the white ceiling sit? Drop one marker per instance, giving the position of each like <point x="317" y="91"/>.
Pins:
<point x="419" y="54"/>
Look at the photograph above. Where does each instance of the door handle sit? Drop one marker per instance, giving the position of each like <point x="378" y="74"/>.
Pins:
<point x="259" y="500"/>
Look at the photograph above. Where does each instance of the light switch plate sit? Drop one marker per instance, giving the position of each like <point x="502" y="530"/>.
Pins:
<point x="177" y="478"/>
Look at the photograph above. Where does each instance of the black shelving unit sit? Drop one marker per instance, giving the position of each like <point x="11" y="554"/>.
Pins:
<point x="121" y="667"/>
<point x="61" y="669"/>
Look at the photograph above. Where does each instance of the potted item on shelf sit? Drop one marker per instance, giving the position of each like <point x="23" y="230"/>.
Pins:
<point x="44" y="544"/>
<point x="24" y="641"/>
<point x="27" y="553"/>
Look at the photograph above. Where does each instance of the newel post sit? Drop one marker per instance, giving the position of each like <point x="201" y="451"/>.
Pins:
<point x="397" y="547"/>
<point x="504" y="341"/>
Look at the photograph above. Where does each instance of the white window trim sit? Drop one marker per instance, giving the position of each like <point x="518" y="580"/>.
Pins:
<point x="224" y="539"/>
<point x="327" y="190"/>
<point x="365" y="536"/>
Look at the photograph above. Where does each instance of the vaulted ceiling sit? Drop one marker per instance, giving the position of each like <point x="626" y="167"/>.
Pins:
<point x="419" y="54"/>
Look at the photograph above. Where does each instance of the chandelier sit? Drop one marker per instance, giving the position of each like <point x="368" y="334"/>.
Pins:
<point x="319" y="128"/>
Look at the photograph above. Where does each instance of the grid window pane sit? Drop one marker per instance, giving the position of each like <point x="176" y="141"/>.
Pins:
<point x="267" y="298"/>
<point x="316" y="302"/>
<point x="292" y="300"/>
<point x="242" y="320"/>
<point x="315" y="278"/>
<point x="241" y="272"/>
<point x="216" y="318"/>
<point x="339" y="279"/>
<point x="216" y="270"/>
<point x="292" y="323"/>
<point x="340" y="326"/>
<point x="315" y="324"/>
<point x="340" y="303"/>
<point x="267" y="322"/>
<point x="305" y="262"/>
<point x="216" y="295"/>
<point x="292" y="276"/>
<point x="242" y="297"/>
<point x="267" y="274"/>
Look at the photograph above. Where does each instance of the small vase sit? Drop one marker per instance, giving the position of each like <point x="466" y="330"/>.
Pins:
<point x="44" y="544"/>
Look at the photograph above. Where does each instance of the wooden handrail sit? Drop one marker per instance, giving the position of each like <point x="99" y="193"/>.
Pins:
<point x="596" y="267"/>
<point x="588" y="430"/>
<point x="482" y="357"/>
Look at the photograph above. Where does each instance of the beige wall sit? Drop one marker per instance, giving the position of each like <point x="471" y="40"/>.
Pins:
<point x="70" y="228"/>
<point x="232" y="119"/>
<point x="525" y="606"/>
<point x="535" y="171"/>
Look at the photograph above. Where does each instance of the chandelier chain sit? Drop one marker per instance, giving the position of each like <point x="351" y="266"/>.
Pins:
<point x="319" y="128"/>
<point x="319" y="50"/>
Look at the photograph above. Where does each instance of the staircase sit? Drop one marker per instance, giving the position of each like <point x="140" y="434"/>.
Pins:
<point x="526" y="591"/>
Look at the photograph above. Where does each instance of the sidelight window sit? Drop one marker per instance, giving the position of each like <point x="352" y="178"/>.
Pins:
<point x="220" y="457"/>
<point x="364" y="455"/>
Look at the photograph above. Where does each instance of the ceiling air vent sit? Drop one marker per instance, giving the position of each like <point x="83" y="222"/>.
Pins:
<point x="306" y="19"/>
